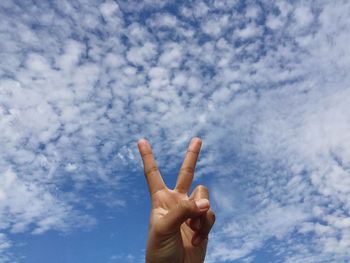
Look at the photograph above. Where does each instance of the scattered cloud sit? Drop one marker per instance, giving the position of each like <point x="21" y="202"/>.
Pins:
<point x="265" y="84"/>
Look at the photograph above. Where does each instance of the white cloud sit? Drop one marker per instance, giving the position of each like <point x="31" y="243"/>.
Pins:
<point x="29" y="206"/>
<point x="163" y="20"/>
<point x="303" y="16"/>
<point x="5" y="245"/>
<point x="215" y="25"/>
<point x="142" y="54"/>
<point x="171" y="56"/>
<point x="248" y="32"/>
<point x="271" y="106"/>
<point x="69" y="59"/>
<point x="293" y="133"/>
<point x="253" y="11"/>
<point x="109" y="8"/>
<point x="274" y="22"/>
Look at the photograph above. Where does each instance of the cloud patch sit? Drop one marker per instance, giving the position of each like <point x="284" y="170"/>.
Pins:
<point x="265" y="84"/>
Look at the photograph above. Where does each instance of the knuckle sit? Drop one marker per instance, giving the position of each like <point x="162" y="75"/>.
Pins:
<point x="183" y="204"/>
<point x="193" y="152"/>
<point x="187" y="169"/>
<point x="209" y="222"/>
<point x="202" y="191"/>
<point x="211" y="216"/>
<point x="144" y="155"/>
<point x="187" y="205"/>
<point x="202" y="188"/>
<point x="151" y="170"/>
<point x="180" y="189"/>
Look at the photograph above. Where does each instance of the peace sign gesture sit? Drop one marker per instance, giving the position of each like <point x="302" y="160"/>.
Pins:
<point x="179" y="224"/>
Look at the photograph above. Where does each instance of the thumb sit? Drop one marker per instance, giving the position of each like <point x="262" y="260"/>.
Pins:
<point x="184" y="210"/>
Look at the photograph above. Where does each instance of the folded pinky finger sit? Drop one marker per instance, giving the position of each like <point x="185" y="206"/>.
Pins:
<point x="196" y="223"/>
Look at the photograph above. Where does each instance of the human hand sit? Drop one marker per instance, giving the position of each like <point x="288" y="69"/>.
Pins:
<point x="179" y="224"/>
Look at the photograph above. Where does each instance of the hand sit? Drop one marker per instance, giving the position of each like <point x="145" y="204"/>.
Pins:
<point x="179" y="224"/>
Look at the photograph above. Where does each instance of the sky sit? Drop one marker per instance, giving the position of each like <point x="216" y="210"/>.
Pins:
<point x="265" y="84"/>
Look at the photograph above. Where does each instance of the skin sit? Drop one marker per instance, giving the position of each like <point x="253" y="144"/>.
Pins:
<point x="179" y="222"/>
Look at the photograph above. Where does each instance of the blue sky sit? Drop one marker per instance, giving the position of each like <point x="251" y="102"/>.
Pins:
<point x="265" y="84"/>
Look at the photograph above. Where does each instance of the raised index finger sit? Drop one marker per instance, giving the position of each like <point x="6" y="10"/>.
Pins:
<point x="188" y="166"/>
<point x="154" y="179"/>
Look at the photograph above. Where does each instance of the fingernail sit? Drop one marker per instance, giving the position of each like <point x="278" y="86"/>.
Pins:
<point x="141" y="143"/>
<point x="196" y="139"/>
<point x="197" y="240"/>
<point x="202" y="204"/>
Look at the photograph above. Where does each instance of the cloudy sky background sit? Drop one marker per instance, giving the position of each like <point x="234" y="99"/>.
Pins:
<point x="265" y="84"/>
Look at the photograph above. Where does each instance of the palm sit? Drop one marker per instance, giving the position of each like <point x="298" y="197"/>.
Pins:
<point x="178" y="225"/>
<point x="164" y="201"/>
